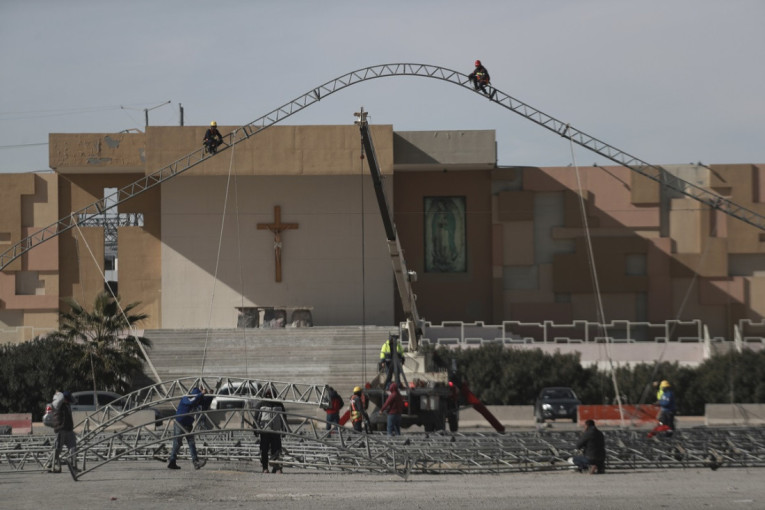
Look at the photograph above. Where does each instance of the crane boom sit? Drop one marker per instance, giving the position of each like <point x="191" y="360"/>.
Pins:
<point x="404" y="276"/>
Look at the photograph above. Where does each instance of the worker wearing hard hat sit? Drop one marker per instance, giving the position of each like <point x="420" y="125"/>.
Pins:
<point x="212" y="138"/>
<point x="358" y="409"/>
<point x="668" y="406"/>
<point x="479" y="77"/>
<point x="387" y="361"/>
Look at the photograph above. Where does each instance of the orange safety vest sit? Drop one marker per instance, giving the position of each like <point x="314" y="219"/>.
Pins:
<point x="356" y="414"/>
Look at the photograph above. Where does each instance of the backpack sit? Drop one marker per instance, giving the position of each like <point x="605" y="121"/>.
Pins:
<point x="51" y="416"/>
<point x="270" y="418"/>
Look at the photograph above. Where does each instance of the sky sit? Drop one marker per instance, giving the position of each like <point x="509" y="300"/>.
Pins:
<point x="667" y="81"/>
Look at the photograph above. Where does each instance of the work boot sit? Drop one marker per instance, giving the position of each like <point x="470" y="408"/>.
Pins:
<point x="199" y="463"/>
<point x="173" y="465"/>
<point x="593" y="470"/>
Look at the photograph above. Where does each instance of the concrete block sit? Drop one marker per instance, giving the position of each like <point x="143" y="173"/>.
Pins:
<point x="734" y="414"/>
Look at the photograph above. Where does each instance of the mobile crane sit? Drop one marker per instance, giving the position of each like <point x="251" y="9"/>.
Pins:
<point x="432" y="398"/>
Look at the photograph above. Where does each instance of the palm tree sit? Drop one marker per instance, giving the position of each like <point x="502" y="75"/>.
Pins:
<point x="114" y="358"/>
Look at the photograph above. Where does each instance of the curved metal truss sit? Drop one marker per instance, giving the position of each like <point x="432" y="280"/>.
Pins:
<point x="653" y="172"/>
<point x="231" y="436"/>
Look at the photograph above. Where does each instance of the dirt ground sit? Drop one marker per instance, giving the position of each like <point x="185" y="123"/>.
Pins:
<point x="151" y="486"/>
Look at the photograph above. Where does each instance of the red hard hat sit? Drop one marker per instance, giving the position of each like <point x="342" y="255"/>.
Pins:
<point x="477" y="63"/>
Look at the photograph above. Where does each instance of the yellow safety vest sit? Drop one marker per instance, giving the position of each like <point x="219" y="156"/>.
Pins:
<point x="385" y="350"/>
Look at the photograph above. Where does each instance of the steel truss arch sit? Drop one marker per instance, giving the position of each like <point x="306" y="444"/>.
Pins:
<point x="653" y="172"/>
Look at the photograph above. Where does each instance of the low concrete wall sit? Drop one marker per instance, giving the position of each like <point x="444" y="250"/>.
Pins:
<point x="509" y="416"/>
<point x="734" y="414"/>
<point x="20" y="423"/>
<point x="131" y="420"/>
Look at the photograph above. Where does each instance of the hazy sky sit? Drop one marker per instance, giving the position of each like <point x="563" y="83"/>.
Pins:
<point x="668" y="81"/>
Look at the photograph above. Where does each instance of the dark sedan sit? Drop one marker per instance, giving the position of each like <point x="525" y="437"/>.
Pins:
<point x="555" y="403"/>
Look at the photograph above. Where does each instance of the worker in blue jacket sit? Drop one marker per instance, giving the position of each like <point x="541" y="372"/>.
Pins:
<point x="668" y="406"/>
<point x="184" y="423"/>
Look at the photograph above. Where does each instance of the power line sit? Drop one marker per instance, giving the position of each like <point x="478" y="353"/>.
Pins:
<point x="16" y="146"/>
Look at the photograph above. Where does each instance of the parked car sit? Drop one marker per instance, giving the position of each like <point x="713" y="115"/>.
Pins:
<point x="92" y="400"/>
<point x="235" y="395"/>
<point x="555" y="403"/>
<point x="86" y="401"/>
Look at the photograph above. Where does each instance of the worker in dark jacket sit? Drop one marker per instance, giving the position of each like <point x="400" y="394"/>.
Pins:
<point x="394" y="405"/>
<point x="593" y="446"/>
<point x="64" y="429"/>
<point x="480" y="77"/>
<point x="184" y="423"/>
<point x="333" y="409"/>
<point x="212" y="138"/>
<point x="271" y="422"/>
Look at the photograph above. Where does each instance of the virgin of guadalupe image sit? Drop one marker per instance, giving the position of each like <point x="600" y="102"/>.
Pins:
<point x="445" y="236"/>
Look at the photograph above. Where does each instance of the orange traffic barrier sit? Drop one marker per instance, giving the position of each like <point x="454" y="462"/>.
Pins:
<point x="610" y="415"/>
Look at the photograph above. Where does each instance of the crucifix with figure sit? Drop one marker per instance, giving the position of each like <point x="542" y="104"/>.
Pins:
<point x="276" y="228"/>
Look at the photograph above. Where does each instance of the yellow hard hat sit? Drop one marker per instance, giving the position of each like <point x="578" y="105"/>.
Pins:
<point x="664" y="384"/>
<point x="214" y="124"/>
<point x="357" y="389"/>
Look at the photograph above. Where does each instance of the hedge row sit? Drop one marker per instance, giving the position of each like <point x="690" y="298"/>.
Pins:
<point x="501" y="376"/>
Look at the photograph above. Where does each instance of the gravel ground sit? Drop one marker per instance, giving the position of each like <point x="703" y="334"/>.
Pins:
<point x="150" y="486"/>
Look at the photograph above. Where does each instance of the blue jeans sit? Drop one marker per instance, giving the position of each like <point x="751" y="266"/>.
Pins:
<point x="333" y="419"/>
<point x="584" y="463"/>
<point x="178" y="431"/>
<point x="394" y="424"/>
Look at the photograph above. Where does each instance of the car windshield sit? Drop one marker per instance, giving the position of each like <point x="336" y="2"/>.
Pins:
<point x="558" y="393"/>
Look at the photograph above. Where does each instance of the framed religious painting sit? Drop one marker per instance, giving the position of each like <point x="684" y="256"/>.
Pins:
<point x="445" y="238"/>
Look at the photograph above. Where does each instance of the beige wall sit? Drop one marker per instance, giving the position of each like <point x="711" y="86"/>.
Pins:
<point x="82" y="249"/>
<point x="623" y="217"/>
<point x="96" y="153"/>
<point x="321" y="259"/>
<point x="278" y="150"/>
<point x="526" y="261"/>
<point x="29" y="286"/>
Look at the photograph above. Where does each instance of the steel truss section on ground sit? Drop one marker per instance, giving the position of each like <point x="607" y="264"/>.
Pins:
<point x="231" y="437"/>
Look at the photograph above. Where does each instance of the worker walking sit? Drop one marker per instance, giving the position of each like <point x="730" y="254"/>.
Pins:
<point x="183" y="427"/>
<point x="333" y="409"/>
<point x="668" y="406"/>
<point x="387" y="361"/>
<point x="64" y="428"/>
<point x="270" y="419"/>
<point x="359" y="414"/>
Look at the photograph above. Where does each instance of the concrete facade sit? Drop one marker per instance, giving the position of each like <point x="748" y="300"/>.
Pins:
<point x="200" y="253"/>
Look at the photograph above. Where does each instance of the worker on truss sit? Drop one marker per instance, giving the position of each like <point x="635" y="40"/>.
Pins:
<point x="212" y="138"/>
<point x="480" y="77"/>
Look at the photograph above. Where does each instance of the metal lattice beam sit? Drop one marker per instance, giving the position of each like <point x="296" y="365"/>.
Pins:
<point x="243" y="133"/>
<point x="230" y="436"/>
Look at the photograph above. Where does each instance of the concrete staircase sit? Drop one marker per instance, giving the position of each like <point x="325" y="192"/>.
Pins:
<point x="337" y="356"/>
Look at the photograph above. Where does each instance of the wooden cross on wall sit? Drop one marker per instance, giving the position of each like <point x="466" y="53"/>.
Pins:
<point x="276" y="228"/>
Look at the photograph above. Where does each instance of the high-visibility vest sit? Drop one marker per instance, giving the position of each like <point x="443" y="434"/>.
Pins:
<point x="356" y="409"/>
<point x="385" y="350"/>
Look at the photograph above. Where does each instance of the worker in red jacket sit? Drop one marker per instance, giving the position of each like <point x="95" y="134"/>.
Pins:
<point x="336" y="403"/>
<point x="394" y="405"/>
